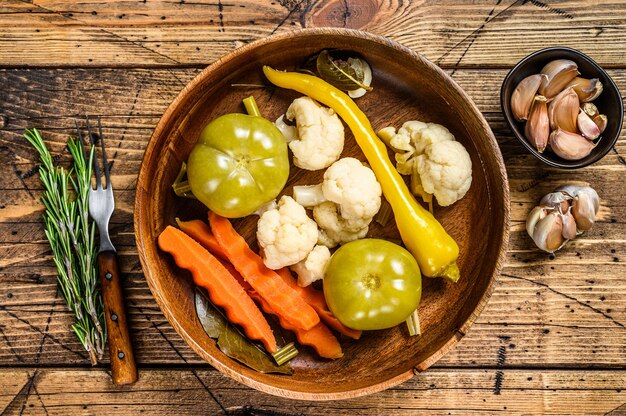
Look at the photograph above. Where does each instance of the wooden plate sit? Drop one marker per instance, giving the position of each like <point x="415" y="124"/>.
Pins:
<point x="406" y="87"/>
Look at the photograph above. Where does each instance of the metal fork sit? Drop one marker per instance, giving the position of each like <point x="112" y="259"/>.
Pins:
<point x="101" y="206"/>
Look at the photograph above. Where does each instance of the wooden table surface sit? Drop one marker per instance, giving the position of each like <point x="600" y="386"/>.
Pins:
<point x="551" y="340"/>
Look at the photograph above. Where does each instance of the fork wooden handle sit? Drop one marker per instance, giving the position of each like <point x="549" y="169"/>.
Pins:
<point x="123" y="367"/>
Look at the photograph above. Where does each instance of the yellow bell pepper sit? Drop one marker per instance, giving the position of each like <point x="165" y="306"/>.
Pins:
<point x="433" y="248"/>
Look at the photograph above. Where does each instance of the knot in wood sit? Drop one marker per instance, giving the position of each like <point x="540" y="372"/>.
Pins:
<point x="343" y="13"/>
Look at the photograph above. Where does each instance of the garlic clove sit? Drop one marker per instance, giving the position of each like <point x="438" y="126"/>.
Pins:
<point x="600" y="120"/>
<point x="588" y="128"/>
<point x="583" y="213"/>
<point x="575" y="190"/>
<point x="523" y="95"/>
<point x="585" y="207"/>
<point x="569" y="225"/>
<point x="563" y="111"/>
<point x="559" y="73"/>
<point x="537" y="129"/>
<point x="586" y="89"/>
<point x="593" y="196"/>
<point x="569" y="146"/>
<point x="548" y="233"/>
<point x="590" y="109"/>
<point x="558" y="200"/>
<point x="595" y="199"/>
<point x="537" y="213"/>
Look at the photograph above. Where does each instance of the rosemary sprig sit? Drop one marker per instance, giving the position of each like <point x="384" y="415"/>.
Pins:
<point x="72" y="238"/>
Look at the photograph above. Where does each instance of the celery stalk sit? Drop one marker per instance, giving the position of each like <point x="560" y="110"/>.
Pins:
<point x="285" y="354"/>
<point x="413" y="323"/>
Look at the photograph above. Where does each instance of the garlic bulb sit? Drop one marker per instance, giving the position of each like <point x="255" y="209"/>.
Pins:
<point x="562" y="215"/>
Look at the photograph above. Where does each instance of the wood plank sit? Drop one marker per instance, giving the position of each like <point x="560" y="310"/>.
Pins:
<point x="460" y="33"/>
<point x="51" y="99"/>
<point x="536" y="318"/>
<point x="205" y="391"/>
<point x="562" y="312"/>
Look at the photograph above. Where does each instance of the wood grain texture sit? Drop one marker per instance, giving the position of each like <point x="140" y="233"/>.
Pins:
<point x="529" y="314"/>
<point x="205" y="391"/>
<point x="460" y="33"/>
<point x="547" y="317"/>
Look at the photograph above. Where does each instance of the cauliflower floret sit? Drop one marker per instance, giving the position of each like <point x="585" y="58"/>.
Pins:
<point x="320" y="134"/>
<point x="446" y="171"/>
<point x="312" y="268"/>
<point x="403" y="139"/>
<point x="434" y="133"/>
<point x="422" y="135"/>
<point x="335" y="229"/>
<point x="353" y="187"/>
<point x="286" y="234"/>
<point x="345" y="203"/>
<point x="439" y="165"/>
<point x="405" y="162"/>
<point x="289" y="130"/>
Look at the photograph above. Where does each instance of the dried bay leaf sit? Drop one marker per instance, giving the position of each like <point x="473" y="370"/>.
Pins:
<point x="240" y="349"/>
<point x="212" y="321"/>
<point x="231" y="342"/>
<point x="341" y="74"/>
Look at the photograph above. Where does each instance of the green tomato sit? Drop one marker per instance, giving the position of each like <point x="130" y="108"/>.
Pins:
<point x="239" y="163"/>
<point x="372" y="284"/>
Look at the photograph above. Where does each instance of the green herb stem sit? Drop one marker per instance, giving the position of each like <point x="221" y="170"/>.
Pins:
<point x="413" y="323"/>
<point x="251" y="108"/>
<point x="285" y="354"/>
<point x="183" y="189"/>
<point x="181" y="186"/>
<point x="72" y="239"/>
<point x="249" y="85"/>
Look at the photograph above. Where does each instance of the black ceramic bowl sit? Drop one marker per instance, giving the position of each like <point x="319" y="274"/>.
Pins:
<point x="609" y="103"/>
